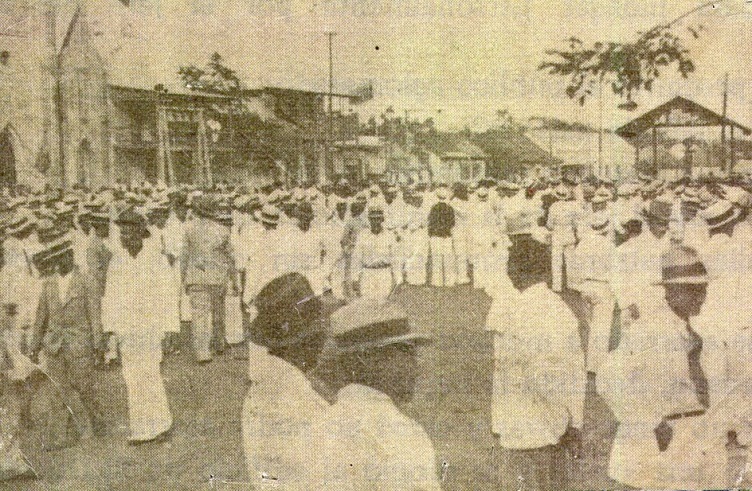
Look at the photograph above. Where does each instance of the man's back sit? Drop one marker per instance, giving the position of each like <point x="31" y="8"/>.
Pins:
<point x="368" y="444"/>
<point x="207" y="253"/>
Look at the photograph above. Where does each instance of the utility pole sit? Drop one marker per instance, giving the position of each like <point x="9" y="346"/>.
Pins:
<point x="600" y="130"/>
<point x="328" y="164"/>
<point x="723" y="123"/>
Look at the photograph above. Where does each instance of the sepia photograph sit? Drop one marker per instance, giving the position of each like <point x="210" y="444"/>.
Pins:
<point x="375" y="245"/>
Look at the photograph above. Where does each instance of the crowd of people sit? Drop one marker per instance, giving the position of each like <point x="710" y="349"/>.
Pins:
<point x="638" y="287"/>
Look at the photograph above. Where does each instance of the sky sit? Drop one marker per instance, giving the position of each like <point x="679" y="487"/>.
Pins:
<point x="458" y="62"/>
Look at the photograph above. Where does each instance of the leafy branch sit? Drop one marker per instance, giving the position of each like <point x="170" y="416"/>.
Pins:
<point x="627" y="67"/>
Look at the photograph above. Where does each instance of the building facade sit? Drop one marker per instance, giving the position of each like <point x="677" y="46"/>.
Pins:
<point x="66" y="121"/>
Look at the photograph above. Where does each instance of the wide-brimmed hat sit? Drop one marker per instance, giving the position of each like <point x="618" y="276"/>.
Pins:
<point x="288" y="312"/>
<point x="20" y="221"/>
<point x="602" y="195"/>
<point x="599" y="222"/>
<point x="361" y="198"/>
<point x="52" y="251"/>
<point x="720" y="213"/>
<point x="270" y="214"/>
<point x="99" y="217"/>
<point x="644" y="176"/>
<point x="375" y="211"/>
<point x="49" y="232"/>
<point x="132" y="222"/>
<point x="737" y="196"/>
<point x="658" y="210"/>
<point x="682" y="265"/>
<point x="562" y="192"/>
<point x="366" y="324"/>
<point x="691" y="196"/>
<point x="627" y="189"/>
<point x="706" y="198"/>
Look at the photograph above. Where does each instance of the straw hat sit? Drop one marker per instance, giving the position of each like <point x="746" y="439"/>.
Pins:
<point x="682" y="265"/>
<point x="720" y="213"/>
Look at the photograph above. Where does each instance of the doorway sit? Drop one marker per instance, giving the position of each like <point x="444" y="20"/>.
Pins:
<point x="7" y="159"/>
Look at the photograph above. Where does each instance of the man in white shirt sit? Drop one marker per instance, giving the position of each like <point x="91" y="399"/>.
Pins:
<point x="656" y="385"/>
<point x="488" y="243"/>
<point x="539" y="379"/>
<point x="281" y="404"/>
<point x="725" y="321"/>
<point x="139" y="316"/>
<point x="375" y="269"/>
<point x="562" y="222"/>
<point x="364" y="442"/>
<point x="636" y="265"/>
<point x="590" y="274"/>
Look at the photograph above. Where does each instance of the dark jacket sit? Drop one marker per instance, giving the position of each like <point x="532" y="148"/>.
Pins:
<point x="68" y="324"/>
<point x="98" y="258"/>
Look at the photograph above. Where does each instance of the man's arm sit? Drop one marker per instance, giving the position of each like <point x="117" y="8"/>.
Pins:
<point x="40" y="322"/>
<point x="185" y="253"/>
<point x="94" y="318"/>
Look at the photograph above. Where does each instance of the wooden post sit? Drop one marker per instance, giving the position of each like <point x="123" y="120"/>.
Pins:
<point x="731" y="150"/>
<point x="655" y="148"/>
<point x="161" y="144"/>
<point x="111" y="159"/>
<point x="204" y="153"/>
<point x="723" y="123"/>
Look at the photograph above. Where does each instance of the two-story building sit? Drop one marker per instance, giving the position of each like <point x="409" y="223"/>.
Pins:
<point x="80" y="106"/>
<point x="86" y="101"/>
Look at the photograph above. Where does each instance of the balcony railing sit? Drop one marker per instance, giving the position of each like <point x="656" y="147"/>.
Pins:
<point x="132" y="138"/>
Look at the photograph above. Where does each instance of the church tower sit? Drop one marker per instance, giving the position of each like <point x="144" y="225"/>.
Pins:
<point x="29" y="150"/>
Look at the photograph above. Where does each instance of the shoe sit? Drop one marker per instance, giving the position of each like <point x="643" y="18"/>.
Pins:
<point x="161" y="438"/>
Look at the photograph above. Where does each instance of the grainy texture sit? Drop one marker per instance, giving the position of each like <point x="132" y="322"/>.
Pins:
<point x="452" y="403"/>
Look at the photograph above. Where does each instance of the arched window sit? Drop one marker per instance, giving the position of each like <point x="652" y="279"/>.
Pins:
<point x="7" y="159"/>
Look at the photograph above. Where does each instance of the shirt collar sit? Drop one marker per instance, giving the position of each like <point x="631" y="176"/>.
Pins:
<point x="361" y="395"/>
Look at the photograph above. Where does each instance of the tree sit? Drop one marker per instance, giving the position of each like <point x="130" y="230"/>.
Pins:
<point x="216" y="77"/>
<point x="255" y="140"/>
<point x="627" y="67"/>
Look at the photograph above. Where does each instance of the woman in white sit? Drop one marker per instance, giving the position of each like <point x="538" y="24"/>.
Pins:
<point x="137" y="311"/>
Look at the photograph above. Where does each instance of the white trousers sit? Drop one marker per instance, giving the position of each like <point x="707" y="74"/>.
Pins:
<point x="560" y="252"/>
<point x="376" y="283"/>
<point x="443" y="262"/>
<point x="601" y="304"/>
<point x="148" y="410"/>
<point x="233" y="320"/>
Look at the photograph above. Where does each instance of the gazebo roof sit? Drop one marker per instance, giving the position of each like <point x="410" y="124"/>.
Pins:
<point x="679" y="112"/>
